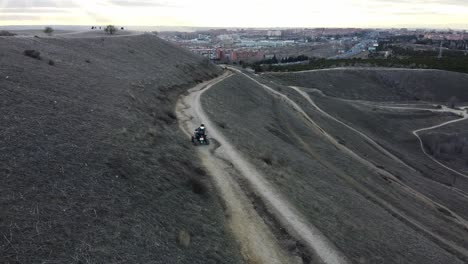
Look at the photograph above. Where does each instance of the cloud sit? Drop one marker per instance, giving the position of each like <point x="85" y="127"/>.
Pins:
<point x="143" y="3"/>
<point x="38" y="3"/>
<point x="265" y="13"/>
<point x="19" y="17"/>
<point x="31" y="10"/>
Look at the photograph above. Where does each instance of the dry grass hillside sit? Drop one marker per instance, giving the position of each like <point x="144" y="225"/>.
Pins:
<point x="378" y="199"/>
<point x="382" y="84"/>
<point x="93" y="168"/>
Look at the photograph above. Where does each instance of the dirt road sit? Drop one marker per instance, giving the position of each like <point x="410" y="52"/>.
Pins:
<point x="405" y="188"/>
<point x="367" y="138"/>
<point x="257" y="242"/>
<point x="444" y="109"/>
<point x="191" y="113"/>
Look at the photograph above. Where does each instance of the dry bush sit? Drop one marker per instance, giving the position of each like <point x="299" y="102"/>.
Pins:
<point x="267" y="158"/>
<point x="33" y="54"/>
<point x="198" y="186"/>
<point x="222" y="125"/>
<point x="183" y="238"/>
<point x="48" y="30"/>
<point x="110" y="29"/>
<point x="5" y="33"/>
<point x="51" y="62"/>
<point x="439" y="144"/>
<point x="171" y="115"/>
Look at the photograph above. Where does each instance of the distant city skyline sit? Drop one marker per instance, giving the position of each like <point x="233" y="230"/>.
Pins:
<point x="241" y="13"/>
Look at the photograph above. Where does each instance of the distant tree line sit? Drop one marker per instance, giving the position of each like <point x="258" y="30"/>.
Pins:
<point x="456" y="64"/>
<point x="275" y="60"/>
<point x="409" y="52"/>
<point x="294" y="59"/>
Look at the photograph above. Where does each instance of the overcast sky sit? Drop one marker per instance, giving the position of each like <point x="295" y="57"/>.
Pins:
<point x="239" y="13"/>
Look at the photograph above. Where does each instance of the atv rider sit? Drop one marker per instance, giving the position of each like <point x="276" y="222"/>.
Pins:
<point x="200" y="131"/>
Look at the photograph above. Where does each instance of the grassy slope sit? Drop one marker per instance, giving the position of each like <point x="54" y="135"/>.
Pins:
<point x="452" y="144"/>
<point x="93" y="166"/>
<point x="381" y="84"/>
<point x="333" y="191"/>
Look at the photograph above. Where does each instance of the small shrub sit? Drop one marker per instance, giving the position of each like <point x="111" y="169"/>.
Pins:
<point x="110" y="29"/>
<point x="267" y="159"/>
<point x="51" y="62"/>
<point x="33" y="54"/>
<point x="222" y="125"/>
<point x="171" y="115"/>
<point x="199" y="171"/>
<point x="183" y="238"/>
<point x="5" y="33"/>
<point x="198" y="186"/>
<point x="88" y="61"/>
<point x="48" y="30"/>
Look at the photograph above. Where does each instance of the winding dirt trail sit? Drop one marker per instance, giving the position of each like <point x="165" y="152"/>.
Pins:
<point x="259" y="243"/>
<point x="367" y="138"/>
<point x="444" y="109"/>
<point x="415" y="132"/>
<point x="447" y="244"/>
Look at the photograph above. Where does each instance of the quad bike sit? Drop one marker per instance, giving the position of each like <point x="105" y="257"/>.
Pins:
<point x="200" y="140"/>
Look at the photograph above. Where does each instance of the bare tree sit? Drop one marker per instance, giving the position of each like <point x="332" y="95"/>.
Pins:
<point x="110" y="29"/>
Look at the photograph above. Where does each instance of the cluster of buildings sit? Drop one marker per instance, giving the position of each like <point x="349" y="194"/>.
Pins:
<point x="234" y="45"/>
<point x="252" y="44"/>
<point x="447" y="36"/>
<point x="222" y="54"/>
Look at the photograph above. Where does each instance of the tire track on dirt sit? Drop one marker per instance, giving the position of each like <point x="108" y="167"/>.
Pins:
<point x="257" y="242"/>
<point x="286" y="214"/>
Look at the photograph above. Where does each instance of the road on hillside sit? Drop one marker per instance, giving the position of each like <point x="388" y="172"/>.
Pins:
<point x="258" y="243"/>
<point x="416" y="132"/>
<point x="191" y="113"/>
<point x="410" y="191"/>
<point x="226" y="165"/>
